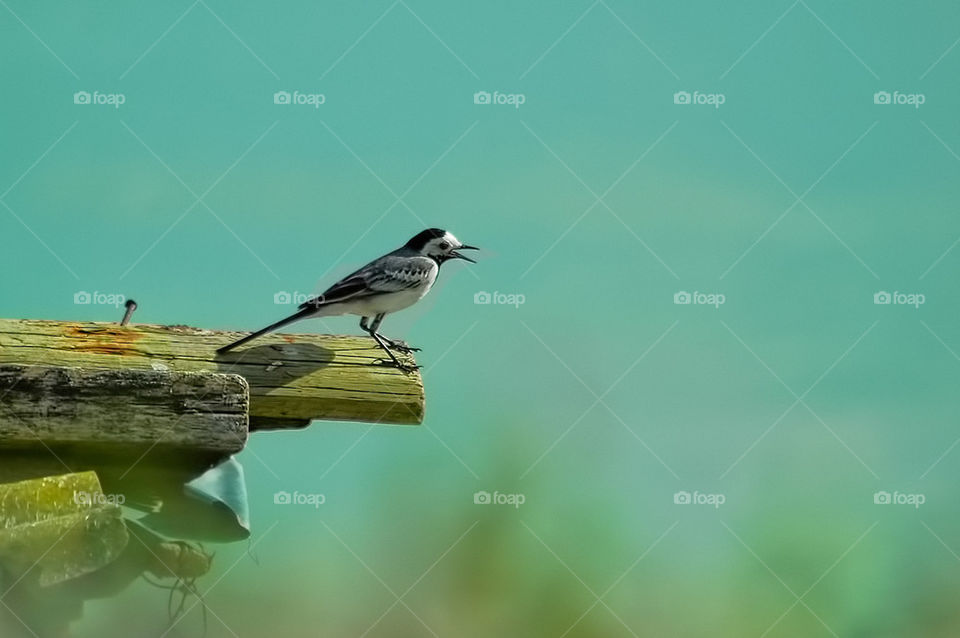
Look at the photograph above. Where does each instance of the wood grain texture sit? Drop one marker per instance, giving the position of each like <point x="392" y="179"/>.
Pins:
<point x="292" y="378"/>
<point x="125" y="409"/>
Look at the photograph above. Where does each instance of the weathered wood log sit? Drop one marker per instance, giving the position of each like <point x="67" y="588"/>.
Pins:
<point x="123" y="409"/>
<point x="292" y="378"/>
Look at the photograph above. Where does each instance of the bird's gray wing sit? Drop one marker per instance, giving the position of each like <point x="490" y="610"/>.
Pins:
<point x="390" y="273"/>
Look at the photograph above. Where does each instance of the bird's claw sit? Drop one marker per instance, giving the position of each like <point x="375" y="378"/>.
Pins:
<point x="400" y="347"/>
<point x="403" y="367"/>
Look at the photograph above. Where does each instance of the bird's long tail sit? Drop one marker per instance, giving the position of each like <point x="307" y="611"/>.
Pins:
<point x="303" y="314"/>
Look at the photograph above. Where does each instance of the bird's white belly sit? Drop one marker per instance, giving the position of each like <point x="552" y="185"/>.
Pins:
<point x="383" y="303"/>
<point x="390" y="302"/>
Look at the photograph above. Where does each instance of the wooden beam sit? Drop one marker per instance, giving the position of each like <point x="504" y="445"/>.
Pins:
<point x="292" y="378"/>
<point x="124" y="410"/>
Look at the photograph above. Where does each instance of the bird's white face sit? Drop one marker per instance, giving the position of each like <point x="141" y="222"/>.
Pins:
<point x="445" y="247"/>
<point x="441" y="246"/>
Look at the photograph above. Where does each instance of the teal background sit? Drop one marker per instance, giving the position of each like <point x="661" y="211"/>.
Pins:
<point x="598" y="398"/>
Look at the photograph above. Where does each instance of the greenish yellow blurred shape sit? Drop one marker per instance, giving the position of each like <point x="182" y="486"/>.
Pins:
<point x="56" y="528"/>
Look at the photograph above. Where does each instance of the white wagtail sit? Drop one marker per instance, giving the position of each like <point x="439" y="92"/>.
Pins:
<point x="390" y="283"/>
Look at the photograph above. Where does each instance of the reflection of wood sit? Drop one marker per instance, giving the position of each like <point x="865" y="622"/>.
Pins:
<point x="292" y="378"/>
<point x="58" y="527"/>
<point x="125" y="408"/>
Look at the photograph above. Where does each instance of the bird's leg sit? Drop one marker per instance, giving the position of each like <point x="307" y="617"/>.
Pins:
<point x="396" y="361"/>
<point x="391" y="343"/>
<point x="399" y="346"/>
<point x="372" y="331"/>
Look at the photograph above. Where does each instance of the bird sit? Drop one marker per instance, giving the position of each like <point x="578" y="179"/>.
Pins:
<point x="386" y="285"/>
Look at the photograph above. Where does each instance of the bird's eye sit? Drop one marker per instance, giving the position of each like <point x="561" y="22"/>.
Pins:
<point x="444" y="245"/>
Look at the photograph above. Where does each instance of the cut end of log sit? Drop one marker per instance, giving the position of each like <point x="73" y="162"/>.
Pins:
<point x="128" y="410"/>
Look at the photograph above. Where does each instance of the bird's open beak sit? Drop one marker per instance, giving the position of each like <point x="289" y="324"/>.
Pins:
<point x="460" y="256"/>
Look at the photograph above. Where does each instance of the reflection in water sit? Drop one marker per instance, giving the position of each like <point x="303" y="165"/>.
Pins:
<point x="90" y="533"/>
<point x="184" y="562"/>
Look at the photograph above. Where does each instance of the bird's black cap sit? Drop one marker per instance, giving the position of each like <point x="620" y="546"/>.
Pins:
<point x="418" y="241"/>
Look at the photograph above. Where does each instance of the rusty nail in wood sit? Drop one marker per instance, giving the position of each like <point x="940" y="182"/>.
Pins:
<point x="131" y="306"/>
